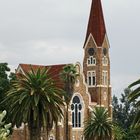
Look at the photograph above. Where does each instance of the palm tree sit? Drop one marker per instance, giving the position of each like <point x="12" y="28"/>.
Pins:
<point x="118" y="132"/>
<point x="99" y="125"/>
<point x="68" y="75"/>
<point x="134" y="96"/>
<point x="34" y="99"/>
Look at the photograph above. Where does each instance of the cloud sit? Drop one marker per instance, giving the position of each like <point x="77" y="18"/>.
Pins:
<point x="122" y="81"/>
<point x="50" y="32"/>
<point x="41" y="52"/>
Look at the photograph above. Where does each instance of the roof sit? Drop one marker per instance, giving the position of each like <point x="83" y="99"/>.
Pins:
<point x="54" y="71"/>
<point x="96" y="24"/>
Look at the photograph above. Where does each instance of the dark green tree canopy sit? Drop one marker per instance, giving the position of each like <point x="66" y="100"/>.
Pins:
<point x="134" y="96"/>
<point x="123" y="111"/>
<point x="4" y="81"/>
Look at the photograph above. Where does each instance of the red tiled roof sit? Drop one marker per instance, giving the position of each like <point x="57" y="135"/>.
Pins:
<point x="54" y="71"/>
<point x="96" y="24"/>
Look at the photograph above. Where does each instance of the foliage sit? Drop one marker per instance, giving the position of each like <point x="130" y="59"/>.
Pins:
<point x="99" y="125"/>
<point x="68" y="76"/>
<point x="123" y="115"/>
<point x="131" y="134"/>
<point x="123" y="111"/>
<point x="135" y="97"/>
<point x="34" y="99"/>
<point x="118" y="132"/>
<point x="4" y="82"/>
<point x="4" y="128"/>
<point x="4" y="87"/>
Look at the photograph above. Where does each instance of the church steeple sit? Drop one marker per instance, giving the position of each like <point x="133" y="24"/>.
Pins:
<point x="96" y="63"/>
<point x="96" y="24"/>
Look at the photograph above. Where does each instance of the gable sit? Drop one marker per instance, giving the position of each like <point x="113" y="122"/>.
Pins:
<point x="54" y="71"/>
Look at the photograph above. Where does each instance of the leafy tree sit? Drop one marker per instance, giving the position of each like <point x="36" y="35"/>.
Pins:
<point x="68" y="75"/>
<point x="99" y="125"/>
<point x="135" y="97"/>
<point x="34" y="99"/>
<point x="123" y="115"/>
<point x="123" y="111"/>
<point x="4" y="128"/>
<point x="4" y="82"/>
<point x="117" y="110"/>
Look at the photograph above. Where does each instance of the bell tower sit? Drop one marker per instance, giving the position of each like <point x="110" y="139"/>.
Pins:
<point x="96" y="63"/>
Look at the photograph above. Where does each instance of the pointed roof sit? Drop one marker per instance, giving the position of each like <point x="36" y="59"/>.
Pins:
<point x="96" y="24"/>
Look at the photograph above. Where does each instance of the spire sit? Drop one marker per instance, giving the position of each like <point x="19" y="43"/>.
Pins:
<point x="96" y="24"/>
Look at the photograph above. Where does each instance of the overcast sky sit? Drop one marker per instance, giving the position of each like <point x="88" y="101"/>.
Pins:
<point x="53" y="32"/>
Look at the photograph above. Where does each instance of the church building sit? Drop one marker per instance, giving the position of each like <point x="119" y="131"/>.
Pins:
<point x="92" y="87"/>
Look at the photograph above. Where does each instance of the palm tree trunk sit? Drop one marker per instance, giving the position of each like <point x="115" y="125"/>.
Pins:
<point x="34" y="128"/>
<point x="67" y="133"/>
<point x="44" y="133"/>
<point x="34" y="134"/>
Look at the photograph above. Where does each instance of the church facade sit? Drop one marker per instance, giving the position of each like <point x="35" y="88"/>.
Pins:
<point x="92" y="87"/>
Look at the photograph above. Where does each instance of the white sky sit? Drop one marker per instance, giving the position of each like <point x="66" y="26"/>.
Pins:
<point x="53" y="32"/>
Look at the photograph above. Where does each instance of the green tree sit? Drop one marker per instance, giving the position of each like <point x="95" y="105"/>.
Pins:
<point x="123" y="115"/>
<point x="99" y="125"/>
<point x="135" y="97"/>
<point x="123" y="111"/>
<point x="117" y="110"/>
<point x="4" y="82"/>
<point x="34" y="99"/>
<point x="4" y="128"/>
<point x="69" y="75"/>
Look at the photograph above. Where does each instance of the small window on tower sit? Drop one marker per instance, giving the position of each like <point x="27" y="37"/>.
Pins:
<point x="91" y="60"/>
<point x="91" y="76"/>
<point x="104" y="61"/>
<point x="89" y="79"/>
<point x="104" y="96"/>
<point x="88" y="62"/>
<point x="105" y="78"/>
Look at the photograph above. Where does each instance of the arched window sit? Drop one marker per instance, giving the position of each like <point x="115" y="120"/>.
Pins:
<point x="76" y="108"/>
<point x="51" y="137"/>
<point x="105" y="61"/>
<point x="91" y="60"/>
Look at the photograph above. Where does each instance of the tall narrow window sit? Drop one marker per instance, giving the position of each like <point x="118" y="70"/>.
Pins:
<point x="76" y="108"/>
<point x="105" y="79"/>
<point x="91" y="78"/>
